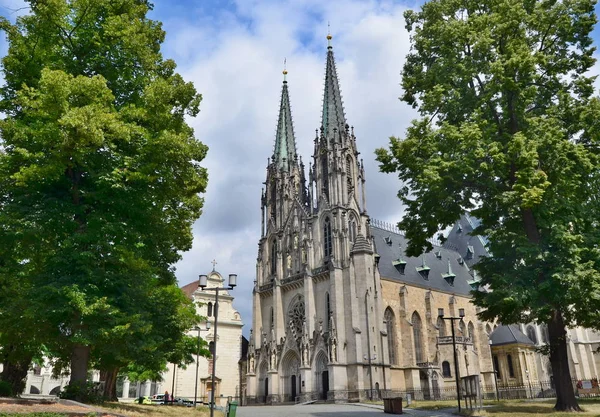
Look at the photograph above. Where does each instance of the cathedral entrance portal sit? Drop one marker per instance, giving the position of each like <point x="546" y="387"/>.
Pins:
<point x="293" y="393"/>
<point x="290" y="372"/>
<point x="321" y="376"/>
<point x="266" y="389"/>
<point x="325" y="384"/>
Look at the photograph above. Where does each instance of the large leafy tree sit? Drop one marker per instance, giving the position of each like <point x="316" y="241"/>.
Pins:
<point x="508" y="130"/>
<point x="99" y="182"/>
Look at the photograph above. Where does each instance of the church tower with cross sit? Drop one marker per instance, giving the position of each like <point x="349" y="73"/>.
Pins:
<point x="316" y="322"/>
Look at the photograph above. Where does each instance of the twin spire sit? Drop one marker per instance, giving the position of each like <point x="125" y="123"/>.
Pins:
<point x="332" y="117"/>
<point x="285" y="141"/>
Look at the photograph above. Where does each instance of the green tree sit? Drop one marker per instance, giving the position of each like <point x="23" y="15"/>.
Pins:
<point x="508" y="130"/>
<point x="99" y="176"/>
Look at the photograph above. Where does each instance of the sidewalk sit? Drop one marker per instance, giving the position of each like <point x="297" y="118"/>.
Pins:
<point x="445" y="412"/>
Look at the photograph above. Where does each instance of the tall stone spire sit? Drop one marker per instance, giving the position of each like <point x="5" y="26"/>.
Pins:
<point x="284" y="153"/>
<point x="333" y="110"/>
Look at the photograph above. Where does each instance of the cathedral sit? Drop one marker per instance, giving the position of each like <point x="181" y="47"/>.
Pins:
<point x="340" y="313"/>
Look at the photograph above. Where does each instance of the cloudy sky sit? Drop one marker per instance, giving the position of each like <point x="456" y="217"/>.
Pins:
<point x="233" y="51"/>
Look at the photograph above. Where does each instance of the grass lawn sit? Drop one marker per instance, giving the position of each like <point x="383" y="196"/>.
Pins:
<point x="139" y="410"/>
<point x="524" y="408"/>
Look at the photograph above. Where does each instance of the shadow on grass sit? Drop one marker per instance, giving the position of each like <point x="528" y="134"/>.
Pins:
<point x="137" y="408"/>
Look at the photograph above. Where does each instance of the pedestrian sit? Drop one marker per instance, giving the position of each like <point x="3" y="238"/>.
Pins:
<point x="167" y="398"/>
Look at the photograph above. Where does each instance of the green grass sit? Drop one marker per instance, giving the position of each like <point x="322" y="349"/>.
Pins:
<point x="139" y="410"/>
<point x="42" y="414"/>
<point x="524" y="408"/>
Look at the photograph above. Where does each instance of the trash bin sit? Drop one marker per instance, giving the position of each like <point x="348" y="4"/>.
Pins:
<point x="392" y="405"/>
<point x="232" y="409"/>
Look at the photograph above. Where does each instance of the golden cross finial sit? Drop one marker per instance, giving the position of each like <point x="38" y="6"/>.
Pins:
<point x="328" y="34"/>
<point x="214" y="262"/>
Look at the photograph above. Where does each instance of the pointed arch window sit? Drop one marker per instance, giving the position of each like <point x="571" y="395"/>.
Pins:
<point x="531" y="334"/>
<point x="462" y="328"/>
<point x="272" y="319"/>
<point x="471" y="330"/>
<point x="327" y="244"/>
<point x="273" y="199"/>
<point x="349" y="176"/>
<point x="544" y="333"/>
<point x="209" y="312"/>
<point x="441" y="325"/>
<point x="497" y="367"/>
<point x="274" y="257"/>
<point x="390" y="324"/>
<point x="511" y="368"/>
<point x="352" y="230"/>
<point x="325" y="173"/>
<point x="418" y="337"/>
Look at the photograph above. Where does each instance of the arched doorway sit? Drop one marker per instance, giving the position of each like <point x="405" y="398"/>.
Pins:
<point x="425" y="384"/>
<point x="290" y="371"/>
<point x="263" y="383"/>
<point x="321" y="375"/>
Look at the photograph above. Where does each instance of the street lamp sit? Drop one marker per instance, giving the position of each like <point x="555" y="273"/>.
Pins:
<point x="461" y="314"/>
<point x="202" y="284"/>
<point x="198" y="359"/>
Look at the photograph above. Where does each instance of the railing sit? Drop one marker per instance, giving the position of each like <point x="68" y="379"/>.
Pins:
<point x="541" y="389"/>
<point x="320" y="270"/>
<point x="447" y="340"/>
<point x="292" y="278"/>
<point x="427" y="364"/>
<point x="393" y="228"/>
<point x="265" y="287"/>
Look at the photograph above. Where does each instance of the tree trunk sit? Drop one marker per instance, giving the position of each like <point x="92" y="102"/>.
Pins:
<point x="565" y="395"/>
<point x="79" y="366"/>
<point x="110" y="385"/>
<point x="15" y="373"/>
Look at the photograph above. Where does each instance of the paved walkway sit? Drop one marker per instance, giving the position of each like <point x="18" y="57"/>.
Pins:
<point x="331" y="410"/>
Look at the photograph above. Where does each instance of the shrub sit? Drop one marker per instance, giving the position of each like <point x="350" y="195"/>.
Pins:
<point x="90" y="393"/>
<point x="5" y="389"/>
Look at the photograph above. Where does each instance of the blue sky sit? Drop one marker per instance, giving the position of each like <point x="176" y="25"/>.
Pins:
<point x="233" y="51"/>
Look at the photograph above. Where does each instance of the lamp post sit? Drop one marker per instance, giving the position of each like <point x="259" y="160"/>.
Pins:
<point x="495" y="371"/>
<point x="198" y="360"/>
<point x="461" y="314"/>
<point x="202" y="284"/>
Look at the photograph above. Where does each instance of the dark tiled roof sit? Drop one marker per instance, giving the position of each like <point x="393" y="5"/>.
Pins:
<point x="390" y="246"/>
<point x="190" y="288"/>
<point x="470" y="247"/>
<point x="505" y="335"/>
<point x="244" y="348"/>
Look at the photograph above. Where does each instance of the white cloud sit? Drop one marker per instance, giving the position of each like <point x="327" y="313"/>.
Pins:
<point x="235" y="61"/>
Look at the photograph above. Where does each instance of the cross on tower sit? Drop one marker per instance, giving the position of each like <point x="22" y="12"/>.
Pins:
<point x="214" y="262"/>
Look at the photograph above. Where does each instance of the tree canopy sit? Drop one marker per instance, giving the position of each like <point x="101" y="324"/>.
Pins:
<point x="508" y="131"/>
<point x="100" y="179"/>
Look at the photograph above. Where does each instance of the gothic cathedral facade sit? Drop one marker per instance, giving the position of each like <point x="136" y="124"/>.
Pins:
<point x="317" y="286"/>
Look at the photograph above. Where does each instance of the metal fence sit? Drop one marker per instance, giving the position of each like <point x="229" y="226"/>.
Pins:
<point x="541" y="389"/>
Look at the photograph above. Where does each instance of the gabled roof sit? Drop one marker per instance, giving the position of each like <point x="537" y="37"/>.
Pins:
<point x="508" y="334"/>
<point x="284" y="153"/>
<point x="395" y="265"/>
<point x="189" y="289"/>
<point x="461" y="239"/>
<point x="333" y="110"/>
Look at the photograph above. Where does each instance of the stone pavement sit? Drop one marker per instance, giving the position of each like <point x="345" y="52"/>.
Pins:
<point x="332" y="410"/>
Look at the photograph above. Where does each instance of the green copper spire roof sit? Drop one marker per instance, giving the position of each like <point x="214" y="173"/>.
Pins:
<point x="333" y="110"/>
<point x="285" y="142"/>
